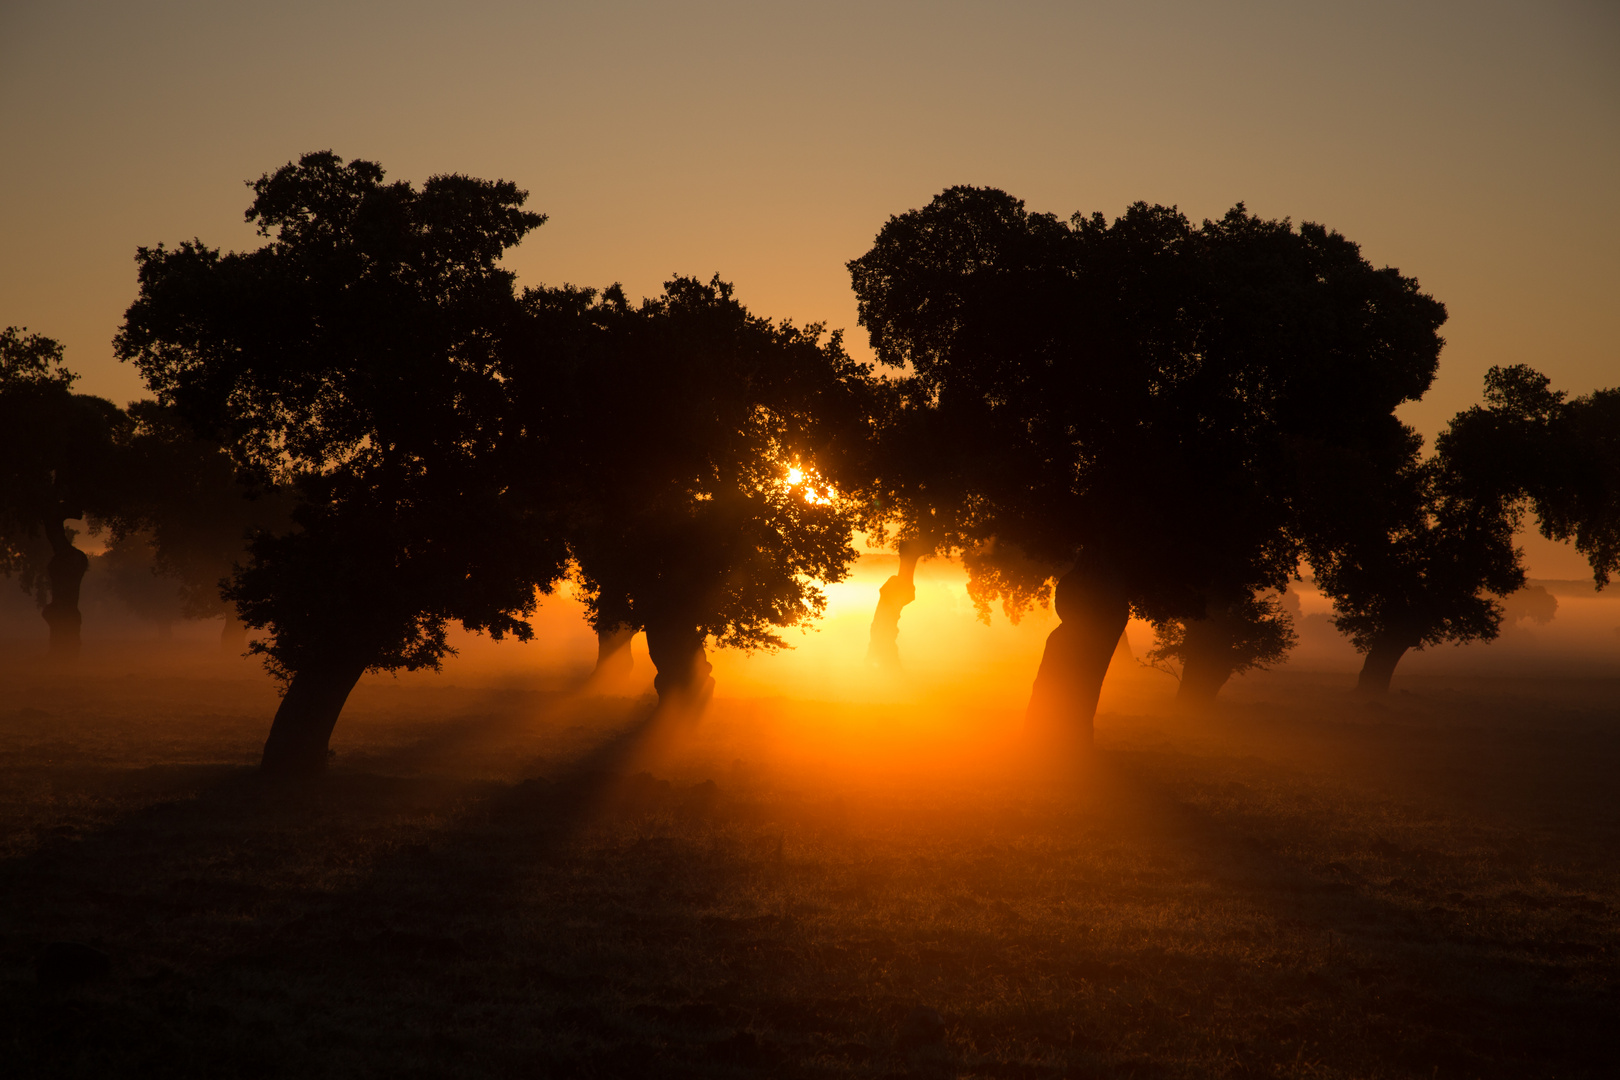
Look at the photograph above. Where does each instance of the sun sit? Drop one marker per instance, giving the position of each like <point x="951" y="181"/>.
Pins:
<point x="807" y="483"/>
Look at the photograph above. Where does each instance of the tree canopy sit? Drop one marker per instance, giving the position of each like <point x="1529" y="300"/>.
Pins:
<point x="189" y="510"/>
<point x="1422" y="551"/>
<point x="1126" y="405"/>
<point x="61" y="458"/>
<point x="1418" y="554"/>
<point x="706" y="441"/>
<point x="357" y="359"/>
<point x="1542" y="452"/>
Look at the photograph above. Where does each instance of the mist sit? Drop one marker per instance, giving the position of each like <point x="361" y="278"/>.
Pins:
<point x="862" y="869"/>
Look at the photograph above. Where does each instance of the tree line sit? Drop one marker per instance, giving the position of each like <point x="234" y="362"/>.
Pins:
<point x="363" y="431"/>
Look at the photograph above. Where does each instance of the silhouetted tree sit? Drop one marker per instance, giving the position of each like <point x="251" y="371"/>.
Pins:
<point x="1417" y="558"/>
<point x="709" y="439"/>
<point x="1556" y="457"/>
<point x="60" y="459"/>
<point x="358" y="360"/>
<point x="196" y="509"/>
<point x="1232" y="638"/>
<point x="1582" y="503"/>
<point x="1533" y="603"/>
<point x="127" y="568"/>
<point x="614" y="661"/>
<point x="1124" y="406"/>
<point x="1428" y="555"/>
<point x="882" y="646"/>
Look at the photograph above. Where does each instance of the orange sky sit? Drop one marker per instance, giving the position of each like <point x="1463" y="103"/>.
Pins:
<point x="1475" y="145"/>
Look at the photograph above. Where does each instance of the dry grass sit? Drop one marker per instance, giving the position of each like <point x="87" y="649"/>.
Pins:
<point x="499" y="882"/>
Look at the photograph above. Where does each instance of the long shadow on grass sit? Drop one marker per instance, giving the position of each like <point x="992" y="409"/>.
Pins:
<point x="1384" y="972"/>
<point x="565" y="925"/>
<point x="599" y="921"/>
<point x="233" y="907"/>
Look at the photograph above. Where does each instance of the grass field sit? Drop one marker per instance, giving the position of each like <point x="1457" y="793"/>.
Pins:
<point x="508" y="880"/>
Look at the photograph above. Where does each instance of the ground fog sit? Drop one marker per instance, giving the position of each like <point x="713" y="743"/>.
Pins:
<point x="503" y="875"/>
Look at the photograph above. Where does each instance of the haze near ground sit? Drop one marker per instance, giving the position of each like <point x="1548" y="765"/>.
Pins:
<point x="505" y="875"/>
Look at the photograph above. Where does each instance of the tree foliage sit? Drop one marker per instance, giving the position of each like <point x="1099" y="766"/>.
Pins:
<point x="1252" y="633"/>
<point x="1417" y="555"/>
<point x="707" y="441"/>
<point x="190" y="511"/>
<point x="62" y="458"/>
<point x="359" y="359"/>
<point x="355" y="360"/>
<point x="1142" y="391"/>
<point x="1536" y="449"/>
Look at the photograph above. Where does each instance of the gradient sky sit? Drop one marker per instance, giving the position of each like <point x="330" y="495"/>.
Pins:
<point x="1475" y="145"/>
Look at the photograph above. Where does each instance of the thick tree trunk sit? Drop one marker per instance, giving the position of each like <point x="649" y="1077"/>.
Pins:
<point x="613" y="659"/>
<point x="882" y="646"/>
<point x="1379" y="667"/>
<point x="1094" y="610"/>
<point x="233" y="638"/>
<point x="65" y="572"/>
<point x="1207" y="665"/>
<point x="298" y="740"/>
<point x="1122" y="650"/>
<point x="683" y="679"/>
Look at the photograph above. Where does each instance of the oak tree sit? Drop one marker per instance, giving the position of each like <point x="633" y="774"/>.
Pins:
<point x="61" y="460"/>
<point x="707" y="441"/>
<point x="357" y="360"/>
<point x="1110" y="415"/>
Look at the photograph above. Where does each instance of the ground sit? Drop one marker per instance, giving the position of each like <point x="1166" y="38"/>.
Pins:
<point x="507" y="880"/>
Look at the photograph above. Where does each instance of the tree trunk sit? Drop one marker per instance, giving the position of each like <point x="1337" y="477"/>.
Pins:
<point x="233" y="638"/>
<point x="1094" y="610"/>
<point x="1207" y="664"/>
<point x="882" y="646"/>
<point x="1379" y="667"/>
<point x="613" y="659"/>
<point x="676" y="650"/>
<point x="65" y="572"/>
<point x="309" y="710"/>
<point x="1122" y="651"/>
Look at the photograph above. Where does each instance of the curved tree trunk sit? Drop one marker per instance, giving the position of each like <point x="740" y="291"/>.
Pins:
<point x="233" y="637"/>
<point x="1094" y="610"/>
<point x="676" y="650"/>
<point x="882" y="646"/>
<point x="65" y="572"/>
<point x="309" y="710"/>
<point x="1379" y="667"/>
<point x="1122" y="650"/>
<point x="613" y="659"/>
<point x="1208" y="663"/>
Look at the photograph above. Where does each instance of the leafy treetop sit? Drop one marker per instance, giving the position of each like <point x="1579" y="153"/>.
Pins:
<point x="358" y="359"/>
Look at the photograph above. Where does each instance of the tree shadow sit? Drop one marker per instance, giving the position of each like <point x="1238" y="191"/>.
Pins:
<point x="1430" y="983"/>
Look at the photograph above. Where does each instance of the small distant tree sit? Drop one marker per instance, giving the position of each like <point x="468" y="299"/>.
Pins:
<point x="705" y="506"/>
<point x="60" y="460"/>
<point x="1533" y="603"/>
<point x="894" y="595"/>
<point x="194" y="510"/>
<point x="358" y="361"/>
<point x="1422" y="560"/>
<point x="127" y="569"/>
<point x="1246" y="634"/>
<point x="1530" y="445"/>
<point x="1123" y="408"/>
<point x="1581" y="503"/>
<point x="1428" y="557"/>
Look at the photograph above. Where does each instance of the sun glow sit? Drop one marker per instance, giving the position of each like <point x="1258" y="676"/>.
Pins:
<point x="809" y="485"/>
